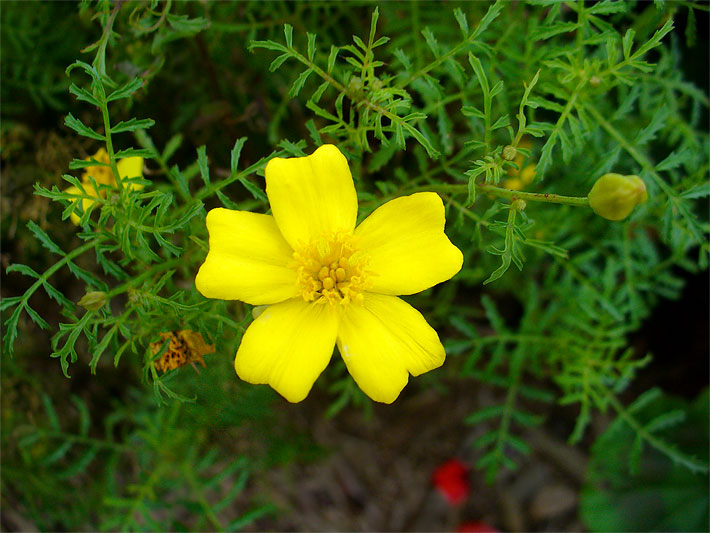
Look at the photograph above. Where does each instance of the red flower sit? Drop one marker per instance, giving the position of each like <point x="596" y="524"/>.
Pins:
<point x="451" y="480"/>
<point x="476" y="527"/>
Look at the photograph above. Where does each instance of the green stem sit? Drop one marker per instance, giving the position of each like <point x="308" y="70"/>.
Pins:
<point x="691" y="463"/>
<point x="512" y="195"/>
<point x="109" y="143"/>
<point x="148" y="273"/>
<point x="439" y="60"/>
<point x="88" y="441"/>
<point x="630" y="149"/>
<point x="359" y="99"/>
<point x="59" y="264"/>
<point x="100" y="60"/>
<point x="188" y="472"/>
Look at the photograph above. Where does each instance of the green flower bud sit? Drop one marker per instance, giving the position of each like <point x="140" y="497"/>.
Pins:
<point x="509" y="153"/>
<point x="519" y="205"/>
<point x="355" y="84"/>
<point x="93" y="300"/>
<point x="614" y="196"/>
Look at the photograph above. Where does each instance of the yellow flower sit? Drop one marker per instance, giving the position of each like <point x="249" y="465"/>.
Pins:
<point x="130" y="167"/>
<point x="324" y="281"/>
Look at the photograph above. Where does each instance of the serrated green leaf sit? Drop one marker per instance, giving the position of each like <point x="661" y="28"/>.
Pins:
<point x="43" y="238"/>
<point x="276" y="63"/>
<point x="627" y="42"/>
<point x="171" y="146"/>
<point x="485" y="413"/>
<point x="80" y="465"/>
<point x="235" y="154"/>
<point x="332" y="57"/>
<point x="607" y="7"/>
<point x="299" y="83"/>
<point x="132" y="125"/>
<point x="471" y="111"/>
<point x="697" y="191"/>
<point x="311" y="45"/>
<point x="203" y="163"/>
<point x="83" y="95"/>
<point x="288" y="35"/>
<point x="126" y="90"/>
<point x="460" y="17"/>
<point x="36" y="318"/>
<point x="187" y="25"/>
<point x="135" y="152"/>
<point x="22" y="269"/>
<point x="431" y="42"/>
<point x="78" y="126"/>
<point x="52" y="417"/>
<point x="542" y="33"/>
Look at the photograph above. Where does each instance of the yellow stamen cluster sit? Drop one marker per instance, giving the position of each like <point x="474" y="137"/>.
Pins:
<point x="331" y="270"/>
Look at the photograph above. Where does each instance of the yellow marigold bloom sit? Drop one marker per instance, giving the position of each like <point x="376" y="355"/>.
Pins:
<point x="130" y="167"/>
<point x="324" y="281"/>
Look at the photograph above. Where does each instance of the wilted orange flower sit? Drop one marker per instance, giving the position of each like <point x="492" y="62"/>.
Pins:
<point x="185" y="347"/>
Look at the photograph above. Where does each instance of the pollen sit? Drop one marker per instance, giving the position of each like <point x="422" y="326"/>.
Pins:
<point x="331" y="270"/>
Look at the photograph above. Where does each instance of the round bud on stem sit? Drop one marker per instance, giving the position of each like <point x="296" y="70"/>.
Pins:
<point x="509" y="153"/>
<point x="93" y="300"/>
<point x="614" y="196"/>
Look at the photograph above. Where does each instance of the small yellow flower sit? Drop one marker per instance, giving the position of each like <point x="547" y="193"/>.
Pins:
<point x="130" y="167"/>
<point x="324" y="281"/>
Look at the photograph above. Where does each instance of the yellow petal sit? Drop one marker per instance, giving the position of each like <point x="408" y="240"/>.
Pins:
<point x="407" y="246"/>
<point x="528" y="174"/>
<point x="311" y="195"/>
<point x="131" y="167"/>
<point x="287" y="347"/>
<point x="513" y="184"/>
<point x="85" y="203"/>
<point x="247" y="260"/>
<point x="383" y="341"/>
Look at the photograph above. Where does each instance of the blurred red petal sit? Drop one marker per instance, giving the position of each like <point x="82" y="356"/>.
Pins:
<point x="451" y="480"/>
<point x="476" y="527"/>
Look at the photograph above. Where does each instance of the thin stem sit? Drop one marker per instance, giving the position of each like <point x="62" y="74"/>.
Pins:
<point x="439" y="60"/>
<point x="100" y="60"/>
<point x="549" y="198"/>
<point x="626" y="145"/>
<point x="59" y="264"/>
<point x="352" y="96"/>
<point x="690" y="463"/>
<point x="165" y="265"/>
<point x="109" y="144"/>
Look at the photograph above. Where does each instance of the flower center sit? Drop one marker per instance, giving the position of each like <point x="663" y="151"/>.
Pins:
<point x="331" y="269"/>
